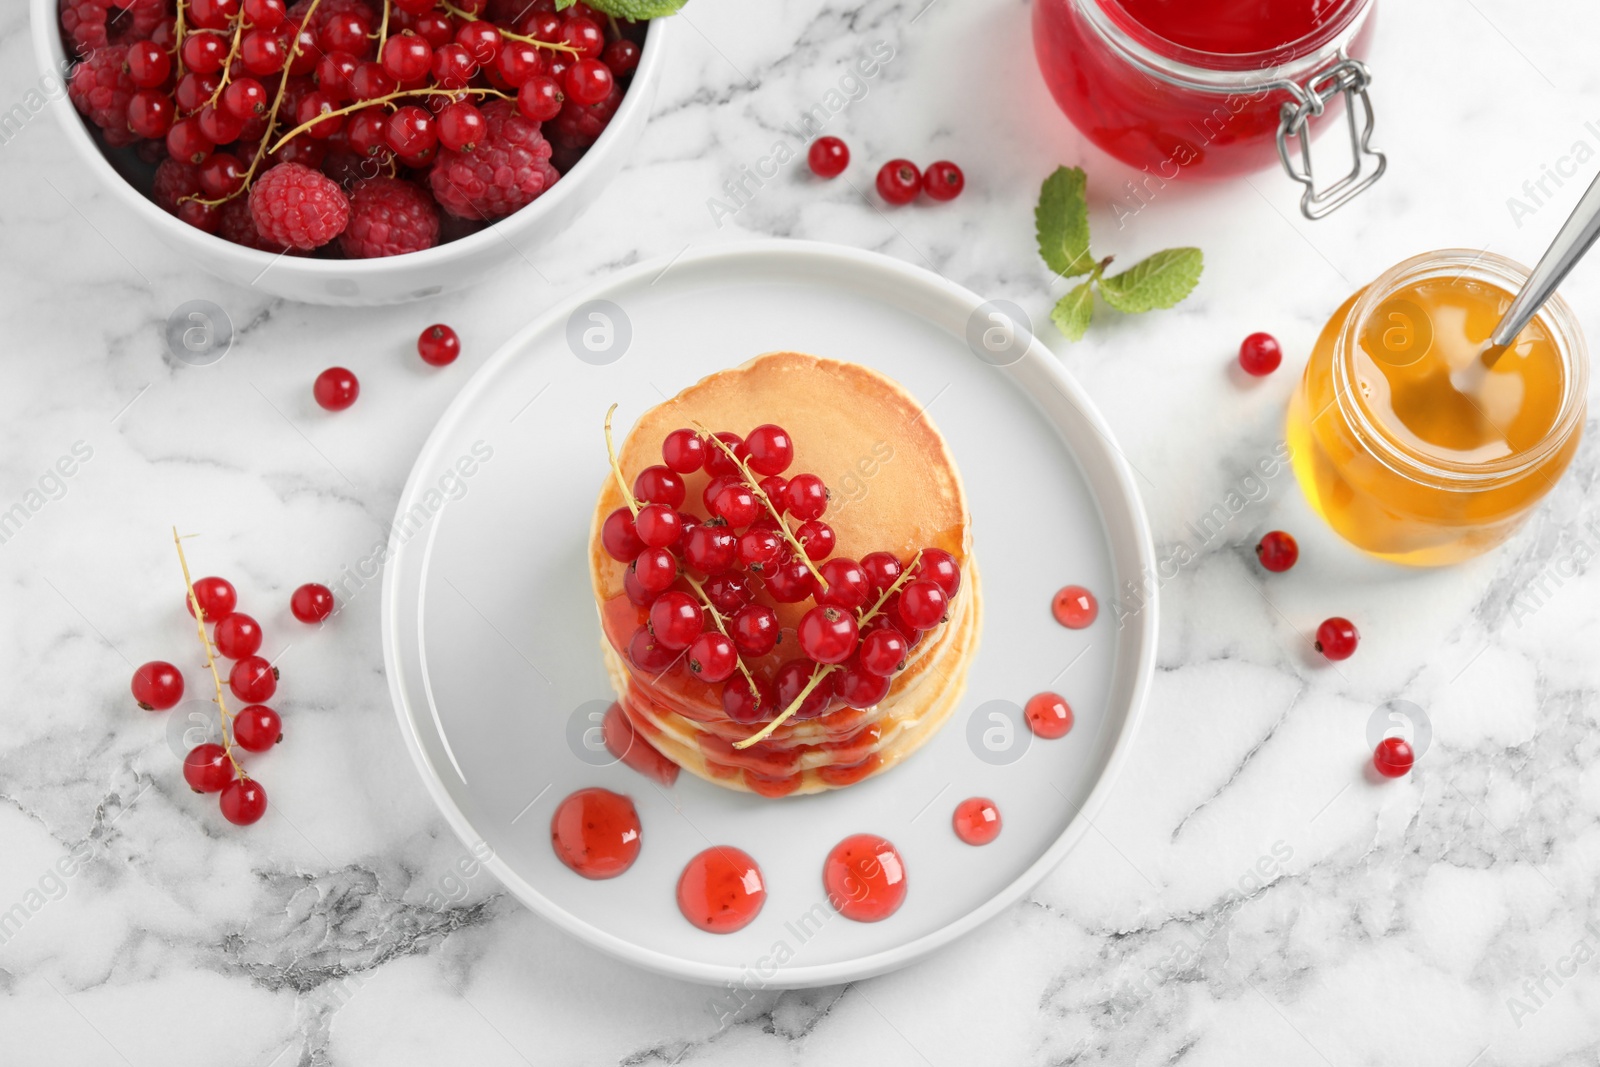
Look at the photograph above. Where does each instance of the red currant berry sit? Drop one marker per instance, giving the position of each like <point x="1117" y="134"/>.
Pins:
<point x="1074" y="607"/>
<point x="368" y="134"/>
<point x="687" y="524"/>
<point x="746" y="701"/>
<point x="246" y="99"/>
<point x="620" y="537"/>
<point x="659" y="485"/>
<point x="827" y="634"/>
<point x="453" y="66"/>
<point x="221" y="175"/>
<point x="717" y="459"/>
<point x="676" y="620"/>
<point x="712" y="658"/>
<point x="899" y="181"/>
<point x="585" y="35"/>
<point x="370" y="81"/>
<point x="790" y="581"/>
<point x="219" y="125"/>
<point x="637" y="594"/>
<point x="775" y="486"/>
<point x="683" y="451"/>
<point x="407" y="57"/>
<point x="243" y="801"/>
<point x="438" y="345"/>
<point x="755" y="630"/>
<point x="1337" y="638"/>
<point x="540" y="98"/>
<point x="265" y="14"/>
<point x="943" y="180"/>
<point x="253" y="680"/>
<point x="482" y="41"/>
<point x="770" y="449"/>
<point x="881" y="569"/>
<point x="736" y="504"/>
<point x="212" y="14"/>
<point x="204" y="53"/>
<point x="237" y="635"/>
<point x="923" y="604"/>
<point x="621" y="55"/>
<point x="311" y="602"/>
<point x="257" y="728"/>
<point x="207" y="768"/>
<point x="883" y="651"/>
<point x="728" y="592"/>
<point x="818" y="539"/>
<point x="412" y="131"/>
<point x="828" y="157"/>
<point x="711" y="549"/>
<point x="316" y="104"/>
<point x="150" y="114"/>
<point x="649" y="654"/>
<point x="588" y="81"/>
<point x="657" y="525"/>
<point x="461" y="127"/>
<point x="334" y="72"/>
<point x="303" y="51"/>
<point x="435" y="27"/>
<point x="859" y="688"/>
<point x="1048" y="715"/>
<point x="805" y="497"/>
<point x="655" y="570"/>
<point x="158" y="685"/>
<point x="187" y="142"/>
<point x="336" y="389"/>
<point x="200" y="216"/>
<point x="345" y="31"/>
<point x="759" y="547"/>
<point x="518" y="61"/>
<point x="193" y="90"/>
<point x="542" y="26"/>
<point x="939" y="567"/>
<point x="217" y="597"/>
<point x="844" y="584"/>
<point x="1393" y="757"/>
<point x="791" y="681"/>
<point x="1260" y="354"/>
<point x="262" y="52"/>
<point x="148" y="64"/>
<point x="1277" y="551"/>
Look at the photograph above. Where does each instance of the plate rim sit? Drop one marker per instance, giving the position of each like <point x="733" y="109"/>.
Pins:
<point x="885" y="960"/>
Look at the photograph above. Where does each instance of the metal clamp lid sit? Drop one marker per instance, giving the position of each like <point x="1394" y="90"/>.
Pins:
<point x="1350" y="77"/>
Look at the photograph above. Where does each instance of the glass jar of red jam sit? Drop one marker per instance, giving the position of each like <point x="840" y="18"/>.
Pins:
<point x="1214" y="88"/>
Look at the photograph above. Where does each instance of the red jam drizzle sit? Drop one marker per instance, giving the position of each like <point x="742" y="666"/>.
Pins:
<point x="865" y="878"/>
<point x="1074" y="607"/>
<point x="721" y="890"/>
<point x="1233" y="27"/>
<point x="1048" y="715"/>
<point x="626" y="743"/>
<point x="596" y="833"/>
<point x="977" y="820"/>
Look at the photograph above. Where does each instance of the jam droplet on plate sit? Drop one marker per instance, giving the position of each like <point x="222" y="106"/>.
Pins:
<point x="596" y="833"/>
<point x="1048" y="715"/>
<point x="977" y="820"/>
<point x="721" y="890"/>
<point x="865" y="878"/>
<point x="1074" y="607"/>
<point x="625" y="743"/>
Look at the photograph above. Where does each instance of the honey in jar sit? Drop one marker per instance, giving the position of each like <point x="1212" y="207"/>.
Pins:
<point x="1413" y="438"/>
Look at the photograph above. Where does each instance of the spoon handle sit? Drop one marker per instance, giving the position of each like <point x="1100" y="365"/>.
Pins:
<point x="1577" y="234"/>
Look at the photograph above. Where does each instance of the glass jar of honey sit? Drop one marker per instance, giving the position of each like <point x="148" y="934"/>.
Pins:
<point x="1214" y="87"/>
<point x="1412" y="436"/>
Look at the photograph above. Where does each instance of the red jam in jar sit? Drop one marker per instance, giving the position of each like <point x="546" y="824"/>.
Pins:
<point x="1181" y="87"/>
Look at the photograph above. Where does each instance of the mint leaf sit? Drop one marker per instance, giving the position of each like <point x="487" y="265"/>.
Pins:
<point x="638" y="10"/>
<point x="1157" y="282"/>
<point x="1072" y="312"/>
<point x="1062" y="222"/>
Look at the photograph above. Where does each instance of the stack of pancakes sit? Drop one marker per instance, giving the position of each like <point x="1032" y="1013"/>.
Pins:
<point x="893" y="488"/>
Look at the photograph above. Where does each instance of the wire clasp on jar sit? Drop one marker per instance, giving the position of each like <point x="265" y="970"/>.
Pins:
<point x="1350" y="77"/>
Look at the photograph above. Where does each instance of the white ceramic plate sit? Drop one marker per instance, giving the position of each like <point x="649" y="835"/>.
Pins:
<point x="492" y="642"/>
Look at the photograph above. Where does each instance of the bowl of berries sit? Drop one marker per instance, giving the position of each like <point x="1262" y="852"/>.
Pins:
<point x="353" y="151"/>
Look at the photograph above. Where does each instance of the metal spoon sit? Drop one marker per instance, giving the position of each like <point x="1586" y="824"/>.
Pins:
<point x="1577" y="234"/>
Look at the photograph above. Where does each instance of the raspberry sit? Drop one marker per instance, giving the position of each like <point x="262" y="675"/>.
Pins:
<point x="236" y="224"/>
<point x="389" y="217"/>
<point x="100" y="88"/>
<point x="90" y="25"/>
<point x="175" y="179"/>
<point x="580" y="125"/>
<point x="508" y="169"/>
<point x="297" y="206"/>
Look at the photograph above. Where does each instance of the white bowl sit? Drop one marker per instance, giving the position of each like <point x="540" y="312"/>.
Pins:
<point x="392" y="279"/>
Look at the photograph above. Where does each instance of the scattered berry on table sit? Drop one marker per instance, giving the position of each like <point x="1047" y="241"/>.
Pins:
<point x="217" y="597"/>
<point x="311" y="602"/>
<point x="1337" y="638"/>
<point x="157" y="685"/>
<point x="1277" y="551"/>
<point x="336" y="389"/>
<point x="257" y="728"/>
<point x="438" y="345"/>
<point x="237" y="635"/>
<point x="828" y="157"/>
<point x="243" y="801"/>
<point x="253" y="679"/>
<point x="1393" y="757"/>
<point x="1260" y="354"/>
<point x="207" y="768"/>
<point x="899" y="181"/>
<point x="943" y="180"/>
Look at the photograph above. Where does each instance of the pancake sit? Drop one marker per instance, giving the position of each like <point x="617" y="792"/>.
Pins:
<point x="893" y="487"/>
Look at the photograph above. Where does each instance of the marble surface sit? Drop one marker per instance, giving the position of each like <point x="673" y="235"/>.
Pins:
<point x="1249" y="895"/>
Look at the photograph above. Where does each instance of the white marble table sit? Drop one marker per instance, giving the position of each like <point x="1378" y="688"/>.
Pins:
<point x="1250" y="895"/>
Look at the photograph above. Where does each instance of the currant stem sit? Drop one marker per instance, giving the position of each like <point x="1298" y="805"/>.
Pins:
<point x="361" y="105"/>
<point x="383" y="28"/>
<point x="816" y="679"/>
<point x="177" y="41"/>
<point x="211" y="659"/>
<point x="755" y="487"/>
<point x="883" y="598"/>
<point x="716" y="617"/>
<point x="470" y="17"/>
<point x="227" y="66"/>
<point x="616" y="467"/>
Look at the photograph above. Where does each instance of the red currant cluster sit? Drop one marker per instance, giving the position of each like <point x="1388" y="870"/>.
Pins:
<point x="899" y="180"/>
<point x="284" y="127"/>
<point x="706" y="581"/>
<point x="210" y="767"/>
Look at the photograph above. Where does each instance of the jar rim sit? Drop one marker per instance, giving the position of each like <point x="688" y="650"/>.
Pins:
<point x="1225" y="71"/>
<point x="1484" y="266"/>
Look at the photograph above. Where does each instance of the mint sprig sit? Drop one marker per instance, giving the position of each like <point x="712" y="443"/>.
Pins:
<point x="1061" y="222"/>
<point x="637" y="10"/>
